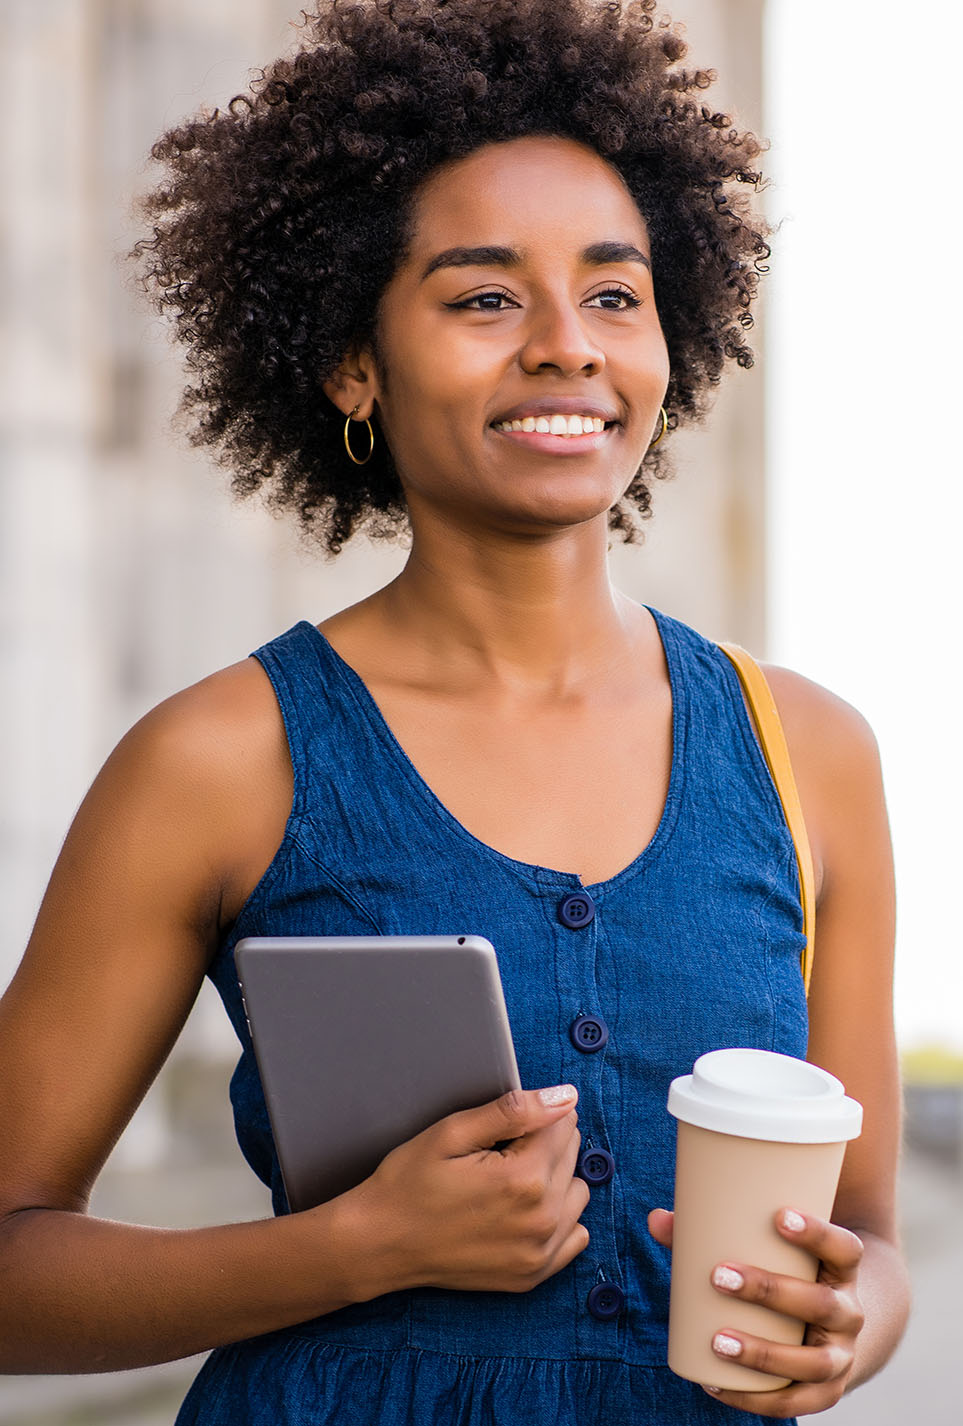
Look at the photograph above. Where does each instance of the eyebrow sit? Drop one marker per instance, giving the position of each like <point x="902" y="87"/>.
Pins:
<point x="595" y="255"/>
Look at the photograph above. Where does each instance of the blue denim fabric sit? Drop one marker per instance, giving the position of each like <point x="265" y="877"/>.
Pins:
<point x="694" y="946"/>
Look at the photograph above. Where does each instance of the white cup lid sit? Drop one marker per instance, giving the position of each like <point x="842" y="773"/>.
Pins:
<point x="756" y="1094"/>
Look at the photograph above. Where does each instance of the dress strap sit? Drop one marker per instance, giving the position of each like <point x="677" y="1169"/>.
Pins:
<point x="772" y="739"/>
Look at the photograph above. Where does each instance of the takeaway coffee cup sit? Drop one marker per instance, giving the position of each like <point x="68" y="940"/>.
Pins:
<point x="756" y="1132"/>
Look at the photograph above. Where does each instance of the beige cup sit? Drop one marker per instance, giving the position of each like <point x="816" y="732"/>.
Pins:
<point x="757" y="1132"/>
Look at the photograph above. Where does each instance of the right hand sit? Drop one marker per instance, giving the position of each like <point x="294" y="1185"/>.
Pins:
<point x="454" y="1211"/>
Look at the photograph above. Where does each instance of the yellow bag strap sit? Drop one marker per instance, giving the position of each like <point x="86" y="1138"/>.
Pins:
<point x="772" y="739"/>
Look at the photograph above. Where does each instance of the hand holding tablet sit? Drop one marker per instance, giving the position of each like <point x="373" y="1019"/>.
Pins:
<point x="362" y="1042"/>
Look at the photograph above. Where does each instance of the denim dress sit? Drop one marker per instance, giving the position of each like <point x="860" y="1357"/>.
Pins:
<point x="615" y="987"/>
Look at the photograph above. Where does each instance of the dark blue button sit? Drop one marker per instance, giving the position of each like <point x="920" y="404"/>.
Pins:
<point x="605" y="1301"/>
<point x="588" y="1033"/>
<point x="596" y="1166"/>
<point x="576" y="910"/>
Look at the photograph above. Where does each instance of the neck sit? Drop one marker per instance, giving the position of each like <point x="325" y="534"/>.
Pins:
<point x="537" y="615"/>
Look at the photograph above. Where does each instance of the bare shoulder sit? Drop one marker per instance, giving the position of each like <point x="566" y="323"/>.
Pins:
<point x="211" y="767"/>
<point x="210" y="748"/>
<point x="179" y="824"/>
<point x="211" y="728"/>
<point x="828" y="738"/>
<point x="820" y="725"/>
<point x="836" y="762"/>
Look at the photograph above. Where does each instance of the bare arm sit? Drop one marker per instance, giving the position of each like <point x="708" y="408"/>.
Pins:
<point x="857" y="1310"/>
<point x="851" y="996"/>
<point x="163" y="847"/>
<point x="127" y="926"/>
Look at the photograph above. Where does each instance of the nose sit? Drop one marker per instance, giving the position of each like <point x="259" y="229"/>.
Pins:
<point x="558" y="340"/>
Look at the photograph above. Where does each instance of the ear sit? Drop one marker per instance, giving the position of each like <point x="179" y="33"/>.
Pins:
<point x="354" y="386"/>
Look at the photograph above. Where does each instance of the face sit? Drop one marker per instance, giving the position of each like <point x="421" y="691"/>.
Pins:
<point x="522" y="360"/>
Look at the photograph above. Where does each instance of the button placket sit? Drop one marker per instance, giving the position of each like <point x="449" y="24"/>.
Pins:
<point x="587" y="1037"/>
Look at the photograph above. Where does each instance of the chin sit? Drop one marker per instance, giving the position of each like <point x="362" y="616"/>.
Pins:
<point x="561" y="508"/>
<point x="554" y="517"/>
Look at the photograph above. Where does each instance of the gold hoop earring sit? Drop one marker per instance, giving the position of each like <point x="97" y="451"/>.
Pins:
<point x="665" y="426"/>
<point x="347" y="441"/>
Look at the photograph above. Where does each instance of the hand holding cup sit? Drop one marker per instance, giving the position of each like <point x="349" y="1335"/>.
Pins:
<point x="829" y="1309"/>
<point x="757" y="1130"/>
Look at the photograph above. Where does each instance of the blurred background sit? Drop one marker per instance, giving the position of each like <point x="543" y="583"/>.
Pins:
<point x="816" y="519"/>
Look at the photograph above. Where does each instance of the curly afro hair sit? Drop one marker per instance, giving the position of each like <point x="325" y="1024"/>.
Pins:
<point x="281" y="220"/>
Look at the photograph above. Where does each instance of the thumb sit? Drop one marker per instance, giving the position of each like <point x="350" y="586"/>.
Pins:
<point x="661" y="1223"/>
<point x="520" y="1111"/>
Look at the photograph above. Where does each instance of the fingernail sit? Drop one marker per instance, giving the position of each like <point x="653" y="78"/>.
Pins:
<point x="793" y="1222"/>
<point x="712" y="1390"/>
<point x="728" y="1279"/>
<point x="558" y="1094"/>
<point x="726" y="1346"/>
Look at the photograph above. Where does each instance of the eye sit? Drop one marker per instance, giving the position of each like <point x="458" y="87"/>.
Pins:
<point x="492" y="301"/>
<point x="616" y="299"/>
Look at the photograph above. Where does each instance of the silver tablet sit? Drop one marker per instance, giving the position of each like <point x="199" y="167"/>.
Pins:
<point x="363" y="1041"/>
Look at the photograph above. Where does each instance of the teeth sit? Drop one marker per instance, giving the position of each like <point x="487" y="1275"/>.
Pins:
<point x="557" y="425"/>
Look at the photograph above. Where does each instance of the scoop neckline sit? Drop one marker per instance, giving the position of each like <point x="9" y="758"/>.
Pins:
<point x="368" y="706"/>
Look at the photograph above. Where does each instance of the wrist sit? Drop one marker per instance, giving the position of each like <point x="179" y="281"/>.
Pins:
<point x="367" y="1246"/>
<point x="884" y="1294"/>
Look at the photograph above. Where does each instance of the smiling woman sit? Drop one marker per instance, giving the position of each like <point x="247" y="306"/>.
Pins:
<point x="503" y="238"/>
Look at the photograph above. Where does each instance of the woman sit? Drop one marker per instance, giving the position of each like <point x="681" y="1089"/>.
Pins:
<point x="460" y="265"/>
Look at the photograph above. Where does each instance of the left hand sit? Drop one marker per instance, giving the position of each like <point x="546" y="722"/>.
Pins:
<point x="820" y="1369"/>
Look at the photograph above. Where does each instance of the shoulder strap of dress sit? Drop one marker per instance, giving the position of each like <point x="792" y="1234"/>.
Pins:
<point x="773" y="742"/>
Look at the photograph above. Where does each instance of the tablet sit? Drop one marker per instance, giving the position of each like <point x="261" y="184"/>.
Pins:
<point x="363" y="1041"/>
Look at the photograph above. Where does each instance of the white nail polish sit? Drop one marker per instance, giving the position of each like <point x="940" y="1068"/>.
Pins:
<point x="793" y="1221"/>
<point x="726" y="1346"/>
<point x="558" y="1094"/>
<point x="728" y="1279"/>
